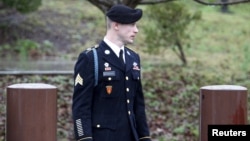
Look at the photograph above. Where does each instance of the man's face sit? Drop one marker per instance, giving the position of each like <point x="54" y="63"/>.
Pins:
<point x="127" y="32"/>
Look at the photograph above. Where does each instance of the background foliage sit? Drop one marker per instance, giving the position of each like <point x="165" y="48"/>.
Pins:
<point x="23" y="6"/>
<point x="218" y="53"/>
<point x="168" y="27"/>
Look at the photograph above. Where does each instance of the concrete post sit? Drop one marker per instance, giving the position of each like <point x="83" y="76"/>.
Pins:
<point x="222" y="104"/>
<point x="31" y="112"/>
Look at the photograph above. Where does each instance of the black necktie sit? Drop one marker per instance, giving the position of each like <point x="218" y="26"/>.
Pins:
<point x="121" y="56"/>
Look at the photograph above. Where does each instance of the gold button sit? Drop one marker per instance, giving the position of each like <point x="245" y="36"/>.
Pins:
<point x="127" y="89"/>
<point x="98" y="125"/>
<point x="128" y="101"/>
<point x="109" y="78"/>
<point x="126" y="77"/>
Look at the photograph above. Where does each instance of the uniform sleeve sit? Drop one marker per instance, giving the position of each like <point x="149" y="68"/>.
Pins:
<point x="82" y="97"/>
<point x="140" y="114"/>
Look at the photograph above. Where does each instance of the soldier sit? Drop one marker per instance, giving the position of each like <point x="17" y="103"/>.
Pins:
<point x="114" y="109"/>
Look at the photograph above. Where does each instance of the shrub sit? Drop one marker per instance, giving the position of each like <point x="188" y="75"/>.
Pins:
<point x="24" y="6"/>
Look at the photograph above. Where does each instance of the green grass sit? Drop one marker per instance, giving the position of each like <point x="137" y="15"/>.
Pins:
<point x="220" y="40"/>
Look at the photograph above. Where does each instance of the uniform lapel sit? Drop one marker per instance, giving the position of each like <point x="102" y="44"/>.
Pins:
<point x="129" y="60"/>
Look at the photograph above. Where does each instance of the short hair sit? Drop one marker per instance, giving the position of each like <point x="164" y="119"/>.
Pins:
<point x="108" y="21"/>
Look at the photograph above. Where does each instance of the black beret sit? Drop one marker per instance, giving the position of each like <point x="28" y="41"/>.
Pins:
<point x="124" y="14"/>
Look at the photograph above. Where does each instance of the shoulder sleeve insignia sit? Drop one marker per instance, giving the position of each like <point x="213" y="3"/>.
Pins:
<point x="78" y="80"/>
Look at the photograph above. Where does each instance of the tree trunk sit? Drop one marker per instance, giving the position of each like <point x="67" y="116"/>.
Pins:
<point x="224" y="7"/>
<point x="180" y="53"/>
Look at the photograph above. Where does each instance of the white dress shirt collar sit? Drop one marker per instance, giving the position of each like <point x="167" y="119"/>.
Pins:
<point x="114" y="47"/>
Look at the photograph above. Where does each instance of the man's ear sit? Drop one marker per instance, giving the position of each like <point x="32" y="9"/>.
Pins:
<point x="115" y="24"/>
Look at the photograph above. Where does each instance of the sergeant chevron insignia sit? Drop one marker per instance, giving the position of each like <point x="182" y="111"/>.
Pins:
<point x="78" y="80"/>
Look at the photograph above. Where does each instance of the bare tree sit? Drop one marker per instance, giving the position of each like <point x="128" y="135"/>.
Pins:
<point x="104" y="5"/>
<point x="219" y="2"/>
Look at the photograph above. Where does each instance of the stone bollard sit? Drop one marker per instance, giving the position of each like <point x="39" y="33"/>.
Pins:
<point x="222" y="104"/>
<point x="31" y="112"/>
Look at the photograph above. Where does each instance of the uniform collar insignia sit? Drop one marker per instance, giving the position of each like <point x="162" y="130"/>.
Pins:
<point x="107" y="52"/>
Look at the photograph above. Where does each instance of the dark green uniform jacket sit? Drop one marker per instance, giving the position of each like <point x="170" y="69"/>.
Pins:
<point x="114" y="110"/>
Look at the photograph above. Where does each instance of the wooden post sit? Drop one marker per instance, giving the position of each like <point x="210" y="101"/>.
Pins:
<point x="222" y="104"/>
<point x="31" y="112"/>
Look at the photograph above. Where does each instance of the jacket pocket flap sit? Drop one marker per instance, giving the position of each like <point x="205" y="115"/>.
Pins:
<point x="104" y="122"/>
